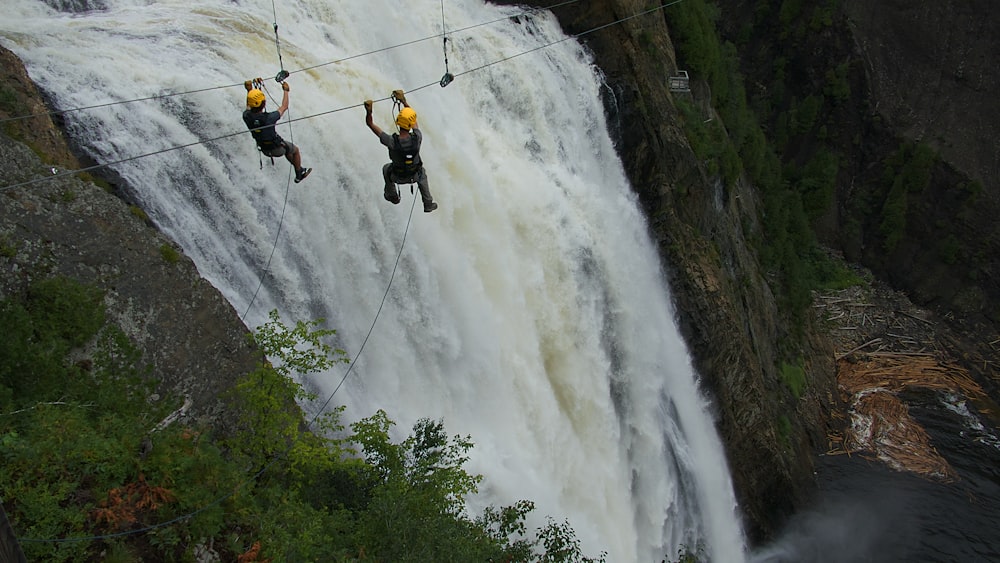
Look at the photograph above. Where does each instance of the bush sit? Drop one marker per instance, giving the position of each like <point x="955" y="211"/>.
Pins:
<point x="794" y="377"/>
<point x="82" y="457"/>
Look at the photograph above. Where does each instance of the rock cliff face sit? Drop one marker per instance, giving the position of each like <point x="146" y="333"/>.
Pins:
<point x="932" y="69"/>
<point x="191" y="336"/>
<point x="885" y="79"/>
<point x="702" y="227"/>
<point x="906" y="103"/>
<point x="916" y="70"/>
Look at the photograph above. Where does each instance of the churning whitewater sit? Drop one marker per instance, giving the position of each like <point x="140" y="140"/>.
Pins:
<point x="529" y="311"/>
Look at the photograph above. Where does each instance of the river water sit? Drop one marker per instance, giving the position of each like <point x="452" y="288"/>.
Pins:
<point x="867" y="512"/>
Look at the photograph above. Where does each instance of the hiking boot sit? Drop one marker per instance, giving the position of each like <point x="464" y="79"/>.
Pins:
<point x="391" y="197"/>
<point x="428" y="207"/>
<point x="301" y="174"/>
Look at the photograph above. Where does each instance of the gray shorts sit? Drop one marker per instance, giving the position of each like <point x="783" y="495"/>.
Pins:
<point x="280" y="150"/>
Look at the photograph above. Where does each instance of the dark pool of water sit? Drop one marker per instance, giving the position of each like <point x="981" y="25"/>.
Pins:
<point x="866" y="512"/>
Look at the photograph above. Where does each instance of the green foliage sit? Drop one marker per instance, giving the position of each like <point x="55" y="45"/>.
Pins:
<point x="53" y="317"/>
<point x="299" y="350"/>
<point x="692" y="27"/>
<point x="817" y="184"/>
<point x="686" y="554"/>
<point x="8" y="249"/>
<point x="82" y="455"/>
<point x="789" y="248"/>
<point x="837" y="87"/>
<point x="806" y="113"/>
<point x="893" y="224"/>
<point x="832" y="274"/>
<point x="785" y="430"/>
<point x="910" y="167"/>
<point x="9" y="101"/>
<point x="972" y="189"/>
<point x="62" y="196"/>
<point x="907" y="171"/>
<point x="169" y="253"/>
<point x="949" y="249"/>
<point x="794" y="377"/>
<point x="789" y="11"/>
<point x="138" y="212"/>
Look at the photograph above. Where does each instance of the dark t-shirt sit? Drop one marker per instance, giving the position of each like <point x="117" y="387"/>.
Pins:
<point x="405" y="159"/>
<point x="267" y="137"/>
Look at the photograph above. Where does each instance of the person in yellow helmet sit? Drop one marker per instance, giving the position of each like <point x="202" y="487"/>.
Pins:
<point x="262" y="126"/>
<point x="405" y="166"/>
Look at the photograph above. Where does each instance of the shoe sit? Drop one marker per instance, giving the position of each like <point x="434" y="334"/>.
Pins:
<point x="428" y="207"/>
<point x="301" y="174"/>
<point x="392" y="197"/>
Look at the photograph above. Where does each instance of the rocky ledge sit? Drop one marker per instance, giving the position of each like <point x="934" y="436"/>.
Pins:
<point x="54" y="223"/>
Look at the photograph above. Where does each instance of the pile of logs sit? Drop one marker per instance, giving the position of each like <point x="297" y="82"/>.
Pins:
<point x="881" y="424"/>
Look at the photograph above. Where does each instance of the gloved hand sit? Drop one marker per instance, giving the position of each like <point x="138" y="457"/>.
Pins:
<point x="248" y="85"/>
<point x="399" y="96"/>
<point x="284" y="86"/>
<point x="368" y="105"/>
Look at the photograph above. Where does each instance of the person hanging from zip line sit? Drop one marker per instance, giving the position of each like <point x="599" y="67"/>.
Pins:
<point x="262" y="126"/>
<point x="405" y="166"/>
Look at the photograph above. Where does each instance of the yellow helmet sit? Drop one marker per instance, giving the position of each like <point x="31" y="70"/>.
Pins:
<point x="255" y="98"/>
<point x="406" y="119"/>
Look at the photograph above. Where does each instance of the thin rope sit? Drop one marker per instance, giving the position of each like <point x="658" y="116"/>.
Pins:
<point x="364" y="54"/>
<point x="267" y="266"/>
<point x="377" y="314"/>
<point x="288" y="184"/>
<point x="277" y="42"/>
<point x="276" y="458"/>
<point x="448" y="76"/>
<point x="344" y="108"/>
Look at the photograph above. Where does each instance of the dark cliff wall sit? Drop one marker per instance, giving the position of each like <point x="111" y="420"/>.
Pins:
<point x="902" y="94"/>
<point x="189" y="334"/>
<point x="702" y="227"/>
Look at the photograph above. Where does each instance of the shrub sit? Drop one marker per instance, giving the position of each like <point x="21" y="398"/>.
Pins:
<point x="794" y="377"/>
<point x="169" y="253"/>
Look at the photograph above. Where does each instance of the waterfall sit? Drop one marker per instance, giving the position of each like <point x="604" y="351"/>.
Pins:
<point x="529" y="311"/>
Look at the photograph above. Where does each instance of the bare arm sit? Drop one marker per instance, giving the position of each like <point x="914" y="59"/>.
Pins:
<point x="369" y="121"/>
<point x="284" y="103"/>
<point x="400" y="97"/>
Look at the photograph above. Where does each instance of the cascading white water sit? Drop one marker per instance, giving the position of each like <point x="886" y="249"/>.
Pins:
<point x="529" y="311"/>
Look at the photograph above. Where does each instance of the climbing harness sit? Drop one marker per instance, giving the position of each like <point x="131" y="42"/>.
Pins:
<point x="448" y="77"/>
<point x="260" y="136"/>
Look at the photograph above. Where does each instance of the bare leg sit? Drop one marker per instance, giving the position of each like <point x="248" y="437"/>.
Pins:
<point x="295" y="157"/>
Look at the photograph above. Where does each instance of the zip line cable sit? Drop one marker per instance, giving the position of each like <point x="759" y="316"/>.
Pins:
<point x="276" y="458"/>
<point x="337" y="61"/>
<point x="448" y="77"/>
<point x="371" y="329"/>
<point x="277" y="42"/>
<point x="335" y="110"/>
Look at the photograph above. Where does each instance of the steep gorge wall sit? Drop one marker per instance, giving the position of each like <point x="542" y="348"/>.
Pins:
<point x="67" y="226"/>
<point x="702" y="228"/>
<point x="893" y="82"/>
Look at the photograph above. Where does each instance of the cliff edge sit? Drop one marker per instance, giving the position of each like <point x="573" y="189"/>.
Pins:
<point x="58" y="224"/>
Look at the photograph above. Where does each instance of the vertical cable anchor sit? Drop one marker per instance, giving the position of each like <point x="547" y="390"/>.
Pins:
<point x="448" y="77"/>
